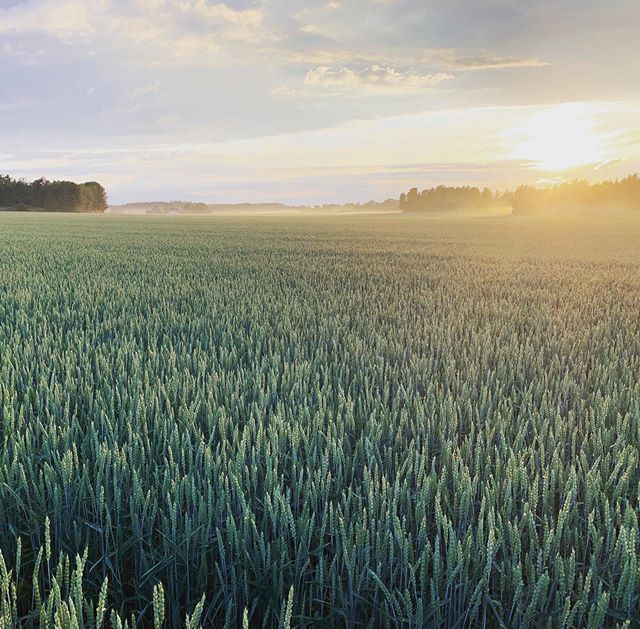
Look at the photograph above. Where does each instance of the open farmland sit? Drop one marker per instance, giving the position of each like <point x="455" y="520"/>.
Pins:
<point x="350" y="421"/>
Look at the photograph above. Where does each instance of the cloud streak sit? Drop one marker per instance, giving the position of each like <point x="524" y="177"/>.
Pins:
<point x="372" y="79"/>
<point x="438" y="58"/>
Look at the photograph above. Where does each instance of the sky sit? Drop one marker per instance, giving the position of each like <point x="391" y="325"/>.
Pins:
<point x="322" y="101"/>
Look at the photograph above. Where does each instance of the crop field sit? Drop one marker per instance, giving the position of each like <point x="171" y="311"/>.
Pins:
<point x="372" y="421"/>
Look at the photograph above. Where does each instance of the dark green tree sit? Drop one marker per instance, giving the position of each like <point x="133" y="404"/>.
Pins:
<point x="52" y="196"/>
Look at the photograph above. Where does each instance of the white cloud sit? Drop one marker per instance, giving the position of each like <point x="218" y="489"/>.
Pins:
<point x="243" y="24"/>
<point x="285" y="90"/>
<point x="144" y="90"/>
<point x="443" y="58"/>
<point x="142" y="21"/>
<point x="64" y="19"/>
<point x="609" y="164"/>
<point x="373" y="78"/>
<point x="490" y="62"/>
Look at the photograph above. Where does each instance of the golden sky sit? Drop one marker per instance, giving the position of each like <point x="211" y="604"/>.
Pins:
<point x="275" y="100"/>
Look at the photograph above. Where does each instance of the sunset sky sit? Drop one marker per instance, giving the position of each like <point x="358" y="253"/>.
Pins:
<point x="298" y="101"/>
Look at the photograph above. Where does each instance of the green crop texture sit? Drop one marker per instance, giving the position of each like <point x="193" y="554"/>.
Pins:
<point x="351" y="421"/>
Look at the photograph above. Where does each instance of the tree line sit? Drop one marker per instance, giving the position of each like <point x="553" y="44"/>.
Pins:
<point x="51" y="196"/>
<point x="578" y="194"/>
<point x="448" y="198"/>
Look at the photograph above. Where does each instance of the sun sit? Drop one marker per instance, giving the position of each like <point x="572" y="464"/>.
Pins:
<point x="558" y="138"/>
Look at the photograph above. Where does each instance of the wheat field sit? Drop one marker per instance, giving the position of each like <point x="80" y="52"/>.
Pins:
<point x="319" y="422"/>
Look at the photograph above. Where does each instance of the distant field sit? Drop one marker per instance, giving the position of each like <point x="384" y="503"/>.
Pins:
<point x="349" y="421"/>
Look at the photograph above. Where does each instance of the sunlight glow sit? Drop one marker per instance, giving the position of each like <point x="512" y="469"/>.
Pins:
<point x="559" y="138"/>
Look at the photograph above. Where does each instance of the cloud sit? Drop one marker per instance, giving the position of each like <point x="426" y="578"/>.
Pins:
<point x="144" y="90"/>
<point x="372" y="78"/>
<point x="612" y="163"/>
<point x="243" y="24"/>
<point x="285" y="90"/>
<point x="142" y="21"/>
<point x="489" y="62"/>
<point x="64" y="19"/>
<point x="442" y="58"/>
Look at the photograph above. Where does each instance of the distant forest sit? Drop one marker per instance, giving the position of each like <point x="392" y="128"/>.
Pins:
<point x="446" y="199"/>
<point x="51" y="196"/>
<point x="574" y="195"/>
<point x="620" y="194"/>
<point x="186" y="207"/>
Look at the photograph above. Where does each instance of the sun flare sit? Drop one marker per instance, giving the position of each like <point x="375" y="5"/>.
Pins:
<point x="559" y="138"/>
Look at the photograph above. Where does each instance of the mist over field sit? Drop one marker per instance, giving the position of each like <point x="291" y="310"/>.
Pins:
<point x="261" y="209"/>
